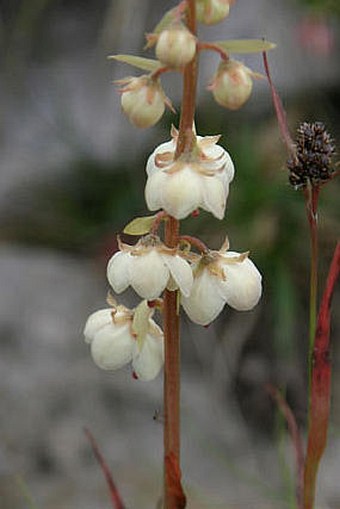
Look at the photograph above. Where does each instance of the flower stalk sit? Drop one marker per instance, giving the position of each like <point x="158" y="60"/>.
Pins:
<point x="170" y="312"/>
<point x="311" y="199"/>
<point x="320" y="386"/>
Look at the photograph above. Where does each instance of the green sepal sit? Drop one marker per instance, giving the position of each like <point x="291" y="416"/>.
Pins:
<point x="139" y="225"/>
<point x="244" y="45"/>
<point x="140" y="322"/>
<point x="146" y="64"/>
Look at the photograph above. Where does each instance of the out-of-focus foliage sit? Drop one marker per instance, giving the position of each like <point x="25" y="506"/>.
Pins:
<point x="329" y="6"/>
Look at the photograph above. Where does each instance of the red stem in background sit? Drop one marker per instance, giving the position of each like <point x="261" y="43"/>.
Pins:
<point x="311" y="194"/>
<point x="174" y="497"/>
<point x="320" y="386"/>
<point x="116" y="501"/>
<point x="279" y="110"/>
<point x="296" y="440"/>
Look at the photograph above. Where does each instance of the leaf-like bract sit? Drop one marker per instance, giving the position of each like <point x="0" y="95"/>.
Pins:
<point x="245" y="45"/>
<point x="146" y="64"/>
<point x="139" y="225"/>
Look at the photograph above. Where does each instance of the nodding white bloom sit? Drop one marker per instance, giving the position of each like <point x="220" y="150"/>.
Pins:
<point x="176" y="46"/>
<point x="222" y="277"/>
<point x="198" y="179"/>
<point x="149" y="267"/>
<point x="119" y="336"/>
<point x="232" y="84"/>
<point x="211" y="12"/>
<point x="143" y="100"/>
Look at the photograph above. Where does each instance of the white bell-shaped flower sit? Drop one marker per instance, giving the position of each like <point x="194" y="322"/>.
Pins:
<point x="199" y="179"/>
<point x="222" y="277"/>
<point x="149" y="267"/>
<point x="117" y="338"/>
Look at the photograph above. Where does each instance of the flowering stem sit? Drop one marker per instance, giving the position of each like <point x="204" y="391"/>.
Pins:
<point x="311" y="198"/>
<point x="320" y="386"/>
<point x="174" y="497"/>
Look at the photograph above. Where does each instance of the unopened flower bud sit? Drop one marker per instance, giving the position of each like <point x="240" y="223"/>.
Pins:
<point x="232" y="84"/>
<point x="211" y="12"/>
<point x="143" y="100"/>
<point x="176" y="47"/>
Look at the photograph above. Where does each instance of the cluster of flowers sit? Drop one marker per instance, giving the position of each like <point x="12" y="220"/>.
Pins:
<point x="205" y="281"/>
<point x="143" y="99"/>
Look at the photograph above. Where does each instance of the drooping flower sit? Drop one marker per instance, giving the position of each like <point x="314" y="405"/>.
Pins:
<point x="222" y="277"/>
<point x="232" y="84"/>
<point x="198" y="179"/>
<point x="143" y="100"/>
<point x="149" y="267"/>
<point x="119" y="336"/>
<point x="176" y="46"/>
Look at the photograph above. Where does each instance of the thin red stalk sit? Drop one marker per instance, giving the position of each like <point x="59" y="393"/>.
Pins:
<point x="320" y="386"/>
<point x="116" y="500"/>
<point x="208" y="46"/>
<point x="174" y="497"/>
<point x="296" y="440"/>
<point x="195" y="242"/>
<point x="279" y="110"/>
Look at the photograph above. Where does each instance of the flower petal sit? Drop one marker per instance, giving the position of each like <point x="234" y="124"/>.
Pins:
<point x="181" y="272"/>
<point x="148" y="361"/>
<point x="214" y="196"/>
<point x="95" y="322"/>
<point x="118" y="271"/>
<point x="181" y="193"/>
<point x="205" y="302"/>
<point x="242" y="287"/>
<point x="112" y="346"/>
<point x="153" y="195"/>
<point x="148" y="275"/>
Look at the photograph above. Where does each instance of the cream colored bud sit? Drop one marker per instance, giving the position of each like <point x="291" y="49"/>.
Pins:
<point x="176" y="47"/>
<point x="143" y="101"/>
<point x="232" y="84"/>
<point x="210" y="12"/>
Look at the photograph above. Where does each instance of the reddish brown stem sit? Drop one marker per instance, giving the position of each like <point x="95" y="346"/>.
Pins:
<point x="296" y="440"/>
<point x="320" y="387"/>
<point x="174" y="497"/>
<point x="213" y="47"/>
<point x="116" y="501"/>
<point x="279" y="110"/>
<point x="186" y="138"/>
<point x="194" y="241"/>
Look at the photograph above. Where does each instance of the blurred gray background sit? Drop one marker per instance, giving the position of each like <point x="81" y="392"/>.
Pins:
<point x="72" y="175"/>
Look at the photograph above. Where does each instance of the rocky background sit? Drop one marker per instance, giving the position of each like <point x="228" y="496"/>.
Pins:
<point x="72" y="174"/>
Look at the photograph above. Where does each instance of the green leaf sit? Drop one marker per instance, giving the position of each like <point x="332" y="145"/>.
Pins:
<point x="147" y="64"/>
<point x="139" y="225"/>
<point x="245" y="45"/>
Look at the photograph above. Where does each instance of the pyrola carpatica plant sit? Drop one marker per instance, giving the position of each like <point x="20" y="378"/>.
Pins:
<point x="190" y="172"/>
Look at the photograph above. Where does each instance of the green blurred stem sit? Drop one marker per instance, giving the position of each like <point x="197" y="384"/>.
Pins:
<point x="311" y="198"/>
